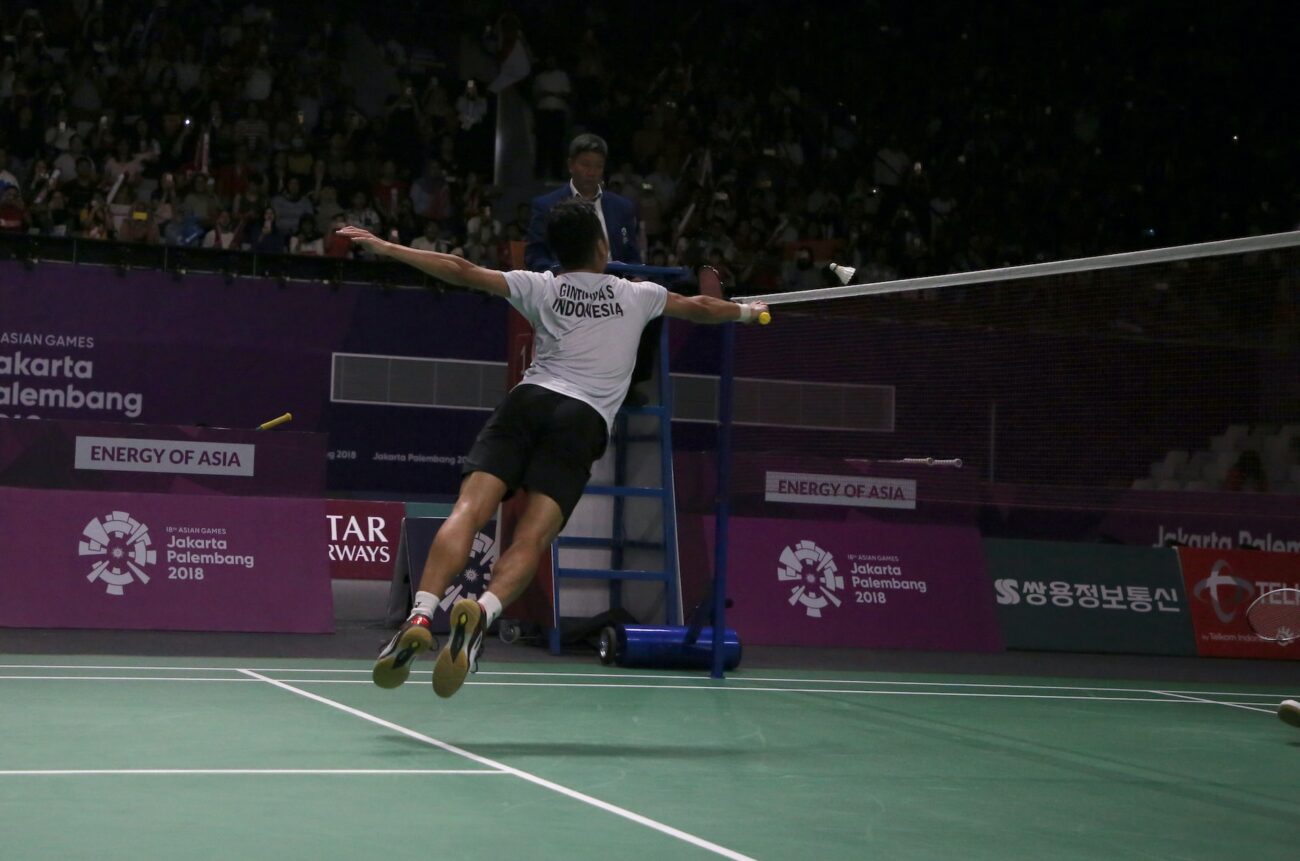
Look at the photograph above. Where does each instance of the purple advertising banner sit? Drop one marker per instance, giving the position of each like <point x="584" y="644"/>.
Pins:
<point x="83" y="343"/>
<point x="79" y="559"/>
<point x="865" y="584"/>
<point x="119" y="456"/>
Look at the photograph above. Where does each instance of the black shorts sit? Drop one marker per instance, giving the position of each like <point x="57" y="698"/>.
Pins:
<point x="542" y="441"/>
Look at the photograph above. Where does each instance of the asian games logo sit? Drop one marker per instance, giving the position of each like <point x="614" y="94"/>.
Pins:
<point x="1225" y="592"/>
<point x="478" y="571"/>
<point x="811" y="572"/>
<point x="123" y="542"/>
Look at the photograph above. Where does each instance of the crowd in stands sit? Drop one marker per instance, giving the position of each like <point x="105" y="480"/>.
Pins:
<point x="763" y="138"/>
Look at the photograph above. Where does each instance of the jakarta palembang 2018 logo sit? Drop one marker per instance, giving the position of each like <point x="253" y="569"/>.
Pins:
<point x="810" y="571"/>
<point x="478" y="571"/>
<point x="123" y="543"/>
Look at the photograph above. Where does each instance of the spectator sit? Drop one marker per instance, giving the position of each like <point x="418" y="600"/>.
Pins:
<point x="307" y="239"/>
<point x="361" y="214"/>
<point x="802" y="276"/>
<point x="200" y="205"/>
<point x="482" y="236"/>
<point x="66" y="161"/>
<point x="224" y="234"/>
<point x="232" y="178"/>
<point x="335" y="244"/>
<point x="147" y="148"/>
<point x="432" y="239"/>
<point x="471" y="116"/>
<point x="261" y="235"/>
<point x="13" y="213"/>
<point x="140" y="225"/>
<point x="7" y="179"/>
<point x="83" y="185"/>
<point x="251" y="130"/>
<point x="51" y="214"/>
<point x="388" y="190"/>
<point x="300" y="161"/>
<point x="123" y="163"/>
<point x="327" y="209"/>
<point x="290" y="206"/>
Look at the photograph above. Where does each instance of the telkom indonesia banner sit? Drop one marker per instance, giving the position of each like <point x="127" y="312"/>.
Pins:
<point x="87" y="559"/>
<point x="1221" y="584"/>
<point x="864" y="584"/>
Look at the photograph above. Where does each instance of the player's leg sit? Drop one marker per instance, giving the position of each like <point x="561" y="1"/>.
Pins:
<point x="480" y="494"/>
<point x="537" y="527"/>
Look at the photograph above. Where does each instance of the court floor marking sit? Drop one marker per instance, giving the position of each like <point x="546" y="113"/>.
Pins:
<point x="606" y="806"/>
<point x="1251" y="708"/>
<point x="170" y="772"/>
<point x="702" y="681"/>
<point x="715" y="689"/>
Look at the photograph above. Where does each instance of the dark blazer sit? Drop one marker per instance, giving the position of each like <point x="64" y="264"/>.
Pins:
<point x="620" y="222"/>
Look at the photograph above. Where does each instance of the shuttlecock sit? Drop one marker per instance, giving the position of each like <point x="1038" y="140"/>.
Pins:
<point x="844" y="273"/>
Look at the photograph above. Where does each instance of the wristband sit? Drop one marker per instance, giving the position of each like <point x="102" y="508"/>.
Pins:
<point x="746" y="313"/>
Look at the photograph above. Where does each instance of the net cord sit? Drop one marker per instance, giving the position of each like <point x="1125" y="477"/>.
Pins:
<point x="1172" y="254"/>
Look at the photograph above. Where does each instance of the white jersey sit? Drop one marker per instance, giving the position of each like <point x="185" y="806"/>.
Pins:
<point x="587" y="327"/>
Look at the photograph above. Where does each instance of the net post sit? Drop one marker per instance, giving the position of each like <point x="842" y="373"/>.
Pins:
<point x="722" y="502"/>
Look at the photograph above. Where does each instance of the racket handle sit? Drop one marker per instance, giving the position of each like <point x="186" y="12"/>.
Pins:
<point x="276" y="422"/>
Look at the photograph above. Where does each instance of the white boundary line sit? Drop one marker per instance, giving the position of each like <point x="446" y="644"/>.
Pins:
<point x="523" y="775"/>
<point x="715" y="689"/>
<point x="702" y="682"/>
<point x="1249" y="708"/>
<point x="168" y="772"/>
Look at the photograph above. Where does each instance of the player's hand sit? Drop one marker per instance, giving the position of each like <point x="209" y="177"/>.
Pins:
<point x="364" y="238"/>
<point x="757" y="310"/>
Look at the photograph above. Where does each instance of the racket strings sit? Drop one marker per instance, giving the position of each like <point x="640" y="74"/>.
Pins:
<point x="1276" y="615"/>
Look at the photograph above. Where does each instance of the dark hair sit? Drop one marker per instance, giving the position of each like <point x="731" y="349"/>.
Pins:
<point x="588" y="142"/>
<point x="572" y="231"/>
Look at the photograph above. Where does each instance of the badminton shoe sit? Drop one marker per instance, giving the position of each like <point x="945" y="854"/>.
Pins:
<point x="460" y="655"/>
<point x="1289" y="711"/>
<point x="394" y="662"/>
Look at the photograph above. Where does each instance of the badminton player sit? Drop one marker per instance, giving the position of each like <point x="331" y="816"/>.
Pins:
<point x="547" y="432"/>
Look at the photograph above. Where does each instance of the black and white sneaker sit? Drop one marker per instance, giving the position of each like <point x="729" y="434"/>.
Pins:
<point x="460" y="656"/>
<point x="395" y="659"/>
<point x="1289" y="711"/>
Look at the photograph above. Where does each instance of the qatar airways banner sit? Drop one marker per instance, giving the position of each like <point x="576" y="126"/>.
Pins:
<point x="84" y="559"/>
<point x="864" y="584"/>
<point x="82" y="343"/>
<point x="363" y="538"/>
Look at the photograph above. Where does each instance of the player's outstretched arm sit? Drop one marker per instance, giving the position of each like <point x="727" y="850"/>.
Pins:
<point x="707" y="309"/>
<point x="445" y="267"/>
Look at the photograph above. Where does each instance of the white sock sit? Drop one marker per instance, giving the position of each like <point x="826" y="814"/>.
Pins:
<point x="424" y="604"/>
<point x="492" y="604"/>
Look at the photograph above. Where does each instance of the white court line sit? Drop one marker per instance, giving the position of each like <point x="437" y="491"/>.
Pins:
<point x="1249" y="708"/>
<point x="702" y="681"/>
<point x="169" y="772"/>
<point x="714" y="689"/>
<point x="523" y="775"/>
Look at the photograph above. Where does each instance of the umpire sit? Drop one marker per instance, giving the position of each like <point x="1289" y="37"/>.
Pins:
<point x="587" y="155"/>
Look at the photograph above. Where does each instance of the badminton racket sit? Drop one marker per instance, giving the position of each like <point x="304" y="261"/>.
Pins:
<point x="1275" y="616"/>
